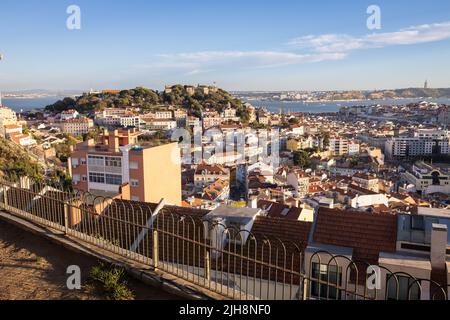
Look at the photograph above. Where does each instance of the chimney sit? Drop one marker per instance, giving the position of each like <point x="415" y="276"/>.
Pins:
<point x="253" y="203"/>
<point x="438" y="246"/>
<point x="113" y="141"/>
<point x="125" y="191"/>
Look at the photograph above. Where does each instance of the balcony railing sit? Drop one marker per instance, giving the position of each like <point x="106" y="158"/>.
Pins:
<point x="183" y="244"/>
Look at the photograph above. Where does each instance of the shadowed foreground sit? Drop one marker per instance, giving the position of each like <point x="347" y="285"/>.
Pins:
<point x="32" y="268"/>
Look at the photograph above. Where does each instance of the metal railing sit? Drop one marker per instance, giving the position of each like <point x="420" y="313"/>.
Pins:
<point x="233" y="263"/>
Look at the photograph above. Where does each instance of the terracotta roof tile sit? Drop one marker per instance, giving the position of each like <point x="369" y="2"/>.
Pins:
<point x="368" y="234"/>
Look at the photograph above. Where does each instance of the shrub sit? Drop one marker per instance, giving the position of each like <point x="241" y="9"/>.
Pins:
<point x="112" y="282"/>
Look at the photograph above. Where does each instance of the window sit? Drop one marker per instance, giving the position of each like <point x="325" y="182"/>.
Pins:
<point x="113" y="179"/>
<point x="134" y="198"/>
<point x="134" y="183"/>
<point x="332" y="275"/>
<point x="113" y="162"/>
<point x="96" y="177"/>
<point x="75" y="162"/>
<point x="76" y="178"/>
<point x="83" y="161"/>
<point x="134" y="165"/>
<point x="407" y="289"/>
<point x="417" y="223"/>
<point x="83" y="178"/>
<point x="96" y="161"/>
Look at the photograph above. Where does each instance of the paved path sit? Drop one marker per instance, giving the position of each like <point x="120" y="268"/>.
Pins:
<point x="33" y="268"/>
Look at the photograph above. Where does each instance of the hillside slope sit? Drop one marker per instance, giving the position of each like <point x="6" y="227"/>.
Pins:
<point x="15" y="162"/>
<point x="148" y="100"/>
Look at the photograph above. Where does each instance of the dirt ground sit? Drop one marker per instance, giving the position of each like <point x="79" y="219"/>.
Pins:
<point x="33" y="268"/>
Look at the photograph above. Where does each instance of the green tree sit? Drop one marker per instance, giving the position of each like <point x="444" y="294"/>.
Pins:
<point x="293" y="121"/>
<point x="325" y="135"/>
<point x="302" y="159"/>
<point x="243" y="114"/>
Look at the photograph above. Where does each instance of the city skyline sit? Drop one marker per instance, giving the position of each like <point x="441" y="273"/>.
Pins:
<point x="283" y="46"/>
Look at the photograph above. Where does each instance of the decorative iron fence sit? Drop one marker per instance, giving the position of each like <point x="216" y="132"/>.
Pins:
<point x="234" y="263"/>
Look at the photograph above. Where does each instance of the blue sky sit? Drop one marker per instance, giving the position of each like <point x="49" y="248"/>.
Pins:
<point x="241" y="45"/>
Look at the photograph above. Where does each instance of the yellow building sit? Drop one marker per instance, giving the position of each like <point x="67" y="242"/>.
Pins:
<point x="294" y="145"/>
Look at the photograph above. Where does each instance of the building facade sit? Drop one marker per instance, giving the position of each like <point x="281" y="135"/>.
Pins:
<point x="152" y="173"/>
<point x="77" y="126"/>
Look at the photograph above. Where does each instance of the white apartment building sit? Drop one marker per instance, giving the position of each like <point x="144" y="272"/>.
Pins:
<point x="229" y="112"/>
<point x="69" y="114"/>
<point x="130" y="121"/>
<point x="424" y="143"/>
<point x="164" y="114"/>
<point x="426" y="177"/>
<point x="431" y="134"/>
<point x="367" y="181"/>
<point x="158" y="124"/>
<point x="339" y="146"/>
<point x="119" y="121"/>
<point x="77" y="127"/>
<point x="300" y="182"/>
<point x="209" y="122"/>
<point x="353" y="148"/>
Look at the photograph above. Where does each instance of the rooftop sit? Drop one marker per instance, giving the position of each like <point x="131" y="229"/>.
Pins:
<point x="234" y="212"/>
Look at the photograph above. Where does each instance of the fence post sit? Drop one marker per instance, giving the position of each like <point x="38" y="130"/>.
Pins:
<point x="155" y="249"/>
<point x="66" y="218"/>
<point x="305" y="289"/>
<point x="207" y="266"/>
<point x="5" y="197"/>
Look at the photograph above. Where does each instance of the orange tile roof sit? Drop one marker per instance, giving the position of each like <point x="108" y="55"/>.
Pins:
<point x="368" y="234"/>
<point x="275" y="210"/>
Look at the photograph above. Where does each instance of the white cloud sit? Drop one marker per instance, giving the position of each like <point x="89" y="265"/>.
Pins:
<point x="306" y="49"/>
<point x="345" y="43"/>
<point x="248" y="59"/>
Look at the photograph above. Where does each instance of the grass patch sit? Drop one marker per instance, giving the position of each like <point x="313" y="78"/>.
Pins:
<point x="38" y="259"/>
<point x="111" y="281"/>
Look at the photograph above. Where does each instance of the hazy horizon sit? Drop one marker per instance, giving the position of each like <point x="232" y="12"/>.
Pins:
<point x="75" y="91"/>
<point x="241" y="46"/>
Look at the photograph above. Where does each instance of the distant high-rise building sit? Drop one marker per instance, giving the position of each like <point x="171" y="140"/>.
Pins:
<point x="426" y="84"/>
